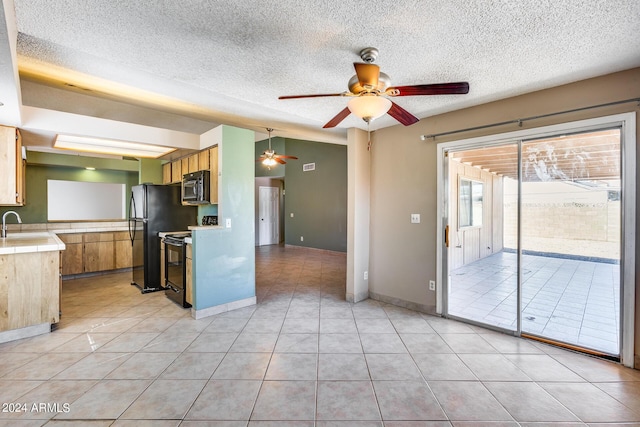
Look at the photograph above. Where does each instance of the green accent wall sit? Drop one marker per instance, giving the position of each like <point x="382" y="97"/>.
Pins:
<point x="318" y="199"/>
<point x="150" y="171"/>
<point x="44" y="166"/>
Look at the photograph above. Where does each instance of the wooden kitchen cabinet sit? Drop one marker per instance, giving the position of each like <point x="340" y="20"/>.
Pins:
<point x="213" y="175"/>
<point x="166" y="173"/>
<point x="185" y="166"/>
<point x="203" y="160"/>
<point x="176" y="171"/>
<point x="188" y="287"/>
<point x="29" y="291"/>
<point x="123" y="249"/>
<point x="13" y="167"/>
<point x="194" y="163"/>
<point x="98" y="252"/>
<point x="72" y="256"/>
<point x="92" y="252"/>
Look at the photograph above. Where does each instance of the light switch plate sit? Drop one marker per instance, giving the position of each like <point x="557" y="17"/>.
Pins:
<point x="227" y="223"/>
<point x="415" y="218"/>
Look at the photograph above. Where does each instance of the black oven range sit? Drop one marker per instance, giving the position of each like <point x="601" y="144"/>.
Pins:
<point x="175" y="254"/>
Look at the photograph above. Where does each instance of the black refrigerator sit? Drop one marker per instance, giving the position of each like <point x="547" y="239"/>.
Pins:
<point x="154" y="209"/>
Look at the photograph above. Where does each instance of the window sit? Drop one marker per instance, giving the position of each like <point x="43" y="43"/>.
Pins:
<point x="470" y="203"/>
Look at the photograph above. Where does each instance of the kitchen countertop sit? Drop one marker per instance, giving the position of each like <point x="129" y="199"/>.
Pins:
<point x="89" y="230"/>
<point x="40" y="241"/>
<point x="205" y="227"/>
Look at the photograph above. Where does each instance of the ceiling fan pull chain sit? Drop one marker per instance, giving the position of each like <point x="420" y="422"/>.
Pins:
<point x="368" y="135"/>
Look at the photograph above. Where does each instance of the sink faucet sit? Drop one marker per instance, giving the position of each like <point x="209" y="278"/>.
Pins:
<point x="4" y="222"/>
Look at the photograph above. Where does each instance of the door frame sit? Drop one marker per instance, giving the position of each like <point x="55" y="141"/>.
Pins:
<point x="627" y="123"/>
<point x="277" y="215"/>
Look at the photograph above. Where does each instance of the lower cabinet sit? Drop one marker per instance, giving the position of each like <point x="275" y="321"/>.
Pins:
<point x="92" y="252"/>
<point x="71" y="259"/>
<point x="123" y="249"/>
<point x="98" y="252"/>
<point x="189" y="273"/>
<point x="29" y="289"/>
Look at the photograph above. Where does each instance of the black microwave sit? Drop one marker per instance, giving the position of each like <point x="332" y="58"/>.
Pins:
<point x="195" y="188"/>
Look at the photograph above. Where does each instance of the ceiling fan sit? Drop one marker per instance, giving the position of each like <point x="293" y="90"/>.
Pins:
<point x="370" y="88"/>
<point x="269" y="157"/>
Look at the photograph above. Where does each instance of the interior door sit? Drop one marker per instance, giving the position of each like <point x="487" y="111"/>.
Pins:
<point x="268" y="210"/>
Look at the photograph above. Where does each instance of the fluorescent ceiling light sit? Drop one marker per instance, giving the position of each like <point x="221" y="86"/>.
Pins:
<point x="110" y="146"/>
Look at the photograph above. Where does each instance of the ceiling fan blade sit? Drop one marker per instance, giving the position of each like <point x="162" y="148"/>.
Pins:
<point x="338" y="118"/>
<point x="315" y="95"/>
<point x="368" y="74"/>
<point x="458" y="88"/>
<point x="402" y="115"/>
<point x="282" y="156"/>
<point x="282" y="162"/>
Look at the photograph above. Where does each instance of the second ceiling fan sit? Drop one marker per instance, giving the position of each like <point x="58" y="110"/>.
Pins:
<point x="369" y="89"/>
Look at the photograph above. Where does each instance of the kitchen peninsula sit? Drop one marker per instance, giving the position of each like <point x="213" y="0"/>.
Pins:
<point x="29" y="284"/>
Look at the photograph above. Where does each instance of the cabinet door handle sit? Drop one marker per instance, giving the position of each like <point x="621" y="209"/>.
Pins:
<point x="446" y="236"/>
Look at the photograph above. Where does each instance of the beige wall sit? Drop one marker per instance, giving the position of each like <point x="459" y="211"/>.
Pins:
<point x="403" y="177"/>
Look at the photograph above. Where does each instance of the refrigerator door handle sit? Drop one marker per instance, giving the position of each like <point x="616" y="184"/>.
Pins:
<point x="132" y="210"/>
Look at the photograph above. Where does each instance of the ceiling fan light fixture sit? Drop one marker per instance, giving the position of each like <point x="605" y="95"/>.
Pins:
<point x="269" y="161"/>
<point x="369" y="107"/>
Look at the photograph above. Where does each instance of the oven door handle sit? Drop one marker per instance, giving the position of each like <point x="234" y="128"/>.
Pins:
<point x="176" y="244"/>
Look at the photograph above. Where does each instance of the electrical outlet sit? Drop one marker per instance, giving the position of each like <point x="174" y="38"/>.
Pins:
<point x="228" y="223"/>
<point x="366" y="275"/>
<point x="415" y="218"/>
<point x="432" y="285"/>
<point x="302" y="238"/>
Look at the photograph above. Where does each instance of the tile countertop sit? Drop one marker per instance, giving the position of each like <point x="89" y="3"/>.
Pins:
<point x="70" y="227"/>
<point x="205" y="227"/>
<point x="41" y="241"/>
<point x="89" y="230"/>
<point x="189" y="240"/>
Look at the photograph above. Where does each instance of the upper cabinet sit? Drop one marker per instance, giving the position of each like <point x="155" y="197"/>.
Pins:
<point x="213" y="175"/>
<point x="12" y="167"/>
<point x="176" y="171"/>
<point x="166" y="173"/>
<point x="204" y="160"/>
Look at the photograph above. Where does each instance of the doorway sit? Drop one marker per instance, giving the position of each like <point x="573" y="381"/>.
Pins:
<point x="268" y="215"/>
<point x="535" y="226"/>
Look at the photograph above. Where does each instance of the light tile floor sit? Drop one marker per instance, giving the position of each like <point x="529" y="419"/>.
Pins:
<point x="301" y="357"/>
<point x="569" y="300"/>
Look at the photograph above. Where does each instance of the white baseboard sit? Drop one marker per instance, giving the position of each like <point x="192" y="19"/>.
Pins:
<point x="222" y="308"/>
<point x="27" y="332"/>
<point x="428" y="309"/>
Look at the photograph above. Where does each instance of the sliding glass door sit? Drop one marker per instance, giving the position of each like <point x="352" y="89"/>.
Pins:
<point x="571" y="234"/>
<point x="534" y="233"/>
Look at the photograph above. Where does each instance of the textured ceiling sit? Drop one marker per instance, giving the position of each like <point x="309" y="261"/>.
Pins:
<point x="208" y="62"/>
